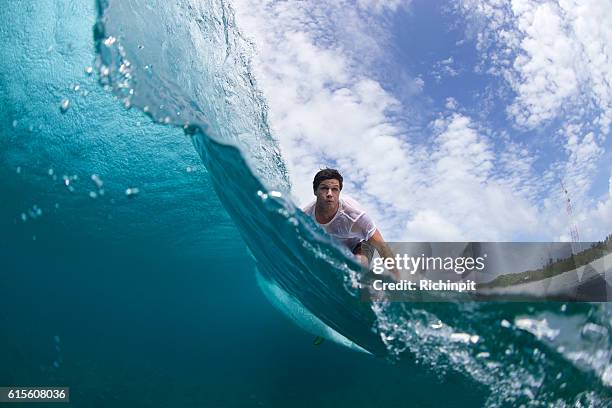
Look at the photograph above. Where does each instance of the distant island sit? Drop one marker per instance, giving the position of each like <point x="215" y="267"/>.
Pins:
<point x="595" y="251"/>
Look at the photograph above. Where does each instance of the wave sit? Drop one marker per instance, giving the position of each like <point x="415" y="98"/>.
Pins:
<point x="186" y="64"/>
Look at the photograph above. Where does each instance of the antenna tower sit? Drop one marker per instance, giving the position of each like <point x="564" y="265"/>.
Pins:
<point x="573" y="228"/>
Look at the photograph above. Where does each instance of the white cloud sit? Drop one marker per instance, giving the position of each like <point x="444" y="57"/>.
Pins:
<point x="451" y="103"/>
<point x="593" y="222"/>
<point x="383" y="5"/>
<point x="444" y="68"/>
<point x="516" y="171"/>
<point x="461" y="153"/>
<point x="554" y="56"/>
<point x="428" y="225"/>
<point x="322" y="108"/>
<point x="583" y="152"/>
<point x="464" y="191"/>
<point x="545" y="66"/>
<point x="455" y="180"/>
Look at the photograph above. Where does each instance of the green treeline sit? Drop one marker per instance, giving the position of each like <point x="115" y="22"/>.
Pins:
<point x="554" y="267"/>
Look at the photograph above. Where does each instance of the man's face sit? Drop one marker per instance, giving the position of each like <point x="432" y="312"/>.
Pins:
<point x="328" y="193"/>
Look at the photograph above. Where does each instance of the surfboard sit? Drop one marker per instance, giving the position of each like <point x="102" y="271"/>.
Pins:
<point x="297" y="312"/>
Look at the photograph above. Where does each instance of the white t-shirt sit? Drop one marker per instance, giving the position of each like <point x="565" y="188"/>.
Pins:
<point x="350" y="225"/>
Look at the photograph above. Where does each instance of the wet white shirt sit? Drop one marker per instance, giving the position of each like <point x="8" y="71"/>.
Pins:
<point x="350" y="225"/>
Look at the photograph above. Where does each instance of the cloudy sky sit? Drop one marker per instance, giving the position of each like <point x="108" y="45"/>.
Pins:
<point x="449" y="121"/>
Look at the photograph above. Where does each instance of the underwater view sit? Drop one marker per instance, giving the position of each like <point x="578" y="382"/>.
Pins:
<point x="155" y="157"/>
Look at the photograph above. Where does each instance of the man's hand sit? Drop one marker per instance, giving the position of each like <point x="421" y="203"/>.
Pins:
<point x="383" y="249"/>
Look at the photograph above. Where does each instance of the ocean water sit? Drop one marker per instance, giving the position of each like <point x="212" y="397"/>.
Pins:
<point x="152" y="255"/>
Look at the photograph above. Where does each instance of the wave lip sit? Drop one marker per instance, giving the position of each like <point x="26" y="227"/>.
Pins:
<point x="185" y="63"/>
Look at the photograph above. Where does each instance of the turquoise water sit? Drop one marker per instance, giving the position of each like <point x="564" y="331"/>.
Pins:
<point x="155" y="298"/>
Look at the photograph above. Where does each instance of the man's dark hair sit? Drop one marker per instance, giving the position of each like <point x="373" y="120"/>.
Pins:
<point x="326" y="174"/>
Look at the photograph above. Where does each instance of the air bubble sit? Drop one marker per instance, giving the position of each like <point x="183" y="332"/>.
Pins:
<point x="132" y="192"/>
<point x="97" y="180"/>
<point x="593" y="332"/>
<point x="461" y="337"/>
<point x="65" y="106"/>
<point x="109" y="41"/>
<point x="437" y="325"/>
<point x="68" y="181"/>
<point x="89" y="70"/>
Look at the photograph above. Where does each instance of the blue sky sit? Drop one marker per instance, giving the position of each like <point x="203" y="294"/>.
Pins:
<point x="449" y="120"/>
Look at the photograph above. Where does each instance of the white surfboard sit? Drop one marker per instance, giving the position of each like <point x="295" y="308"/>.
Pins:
<point x="297" y="312"/>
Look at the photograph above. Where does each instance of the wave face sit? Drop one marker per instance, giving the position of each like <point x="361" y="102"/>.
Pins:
<point x="186" y="65"/>
<point x="220" y="108"/>
<point x="193" y="63"/>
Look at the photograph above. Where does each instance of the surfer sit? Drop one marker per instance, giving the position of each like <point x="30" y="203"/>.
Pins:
<point x="343" y="218"/>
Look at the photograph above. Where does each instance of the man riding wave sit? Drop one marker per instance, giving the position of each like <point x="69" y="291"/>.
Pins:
<point x="343" y="218"/>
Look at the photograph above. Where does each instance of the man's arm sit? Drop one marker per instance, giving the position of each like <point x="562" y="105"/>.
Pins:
<point x="383" y="249"/>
